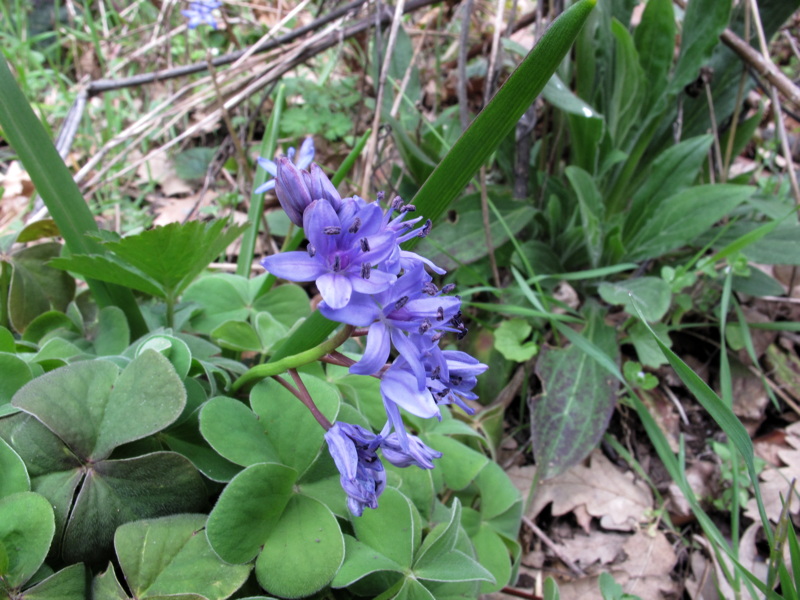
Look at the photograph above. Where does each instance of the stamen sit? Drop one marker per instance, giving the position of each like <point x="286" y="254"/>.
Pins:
<point x="364" y="244"/>
<point x="425" y="325"/>
<point x="332" y="230"/>
<point x="311" y="251"/>
<point x="448" y="288"/>
<point x="397" y="203"/>
<point x="408" y="208"/>
<point x="425" y="229"/>
<point x="440" y="314"/>
<point x="337" y="263"/>
<point x="380" y="195"/>
<point x="401" y="303"/>
<point x="437" y="336"/>
<point x="430" y="288"/>
<point x="436" y="372"/>
<point x="366" y="270"/>
<point x="355" y="226"/>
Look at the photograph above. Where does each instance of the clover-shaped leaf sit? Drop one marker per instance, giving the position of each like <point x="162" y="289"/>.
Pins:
<point x="26" y="530"/>
<point x="74" y="418"/>
<point x="94" y="408"/>
<point x="171" y="555"/>
<point x="296" y="539"/>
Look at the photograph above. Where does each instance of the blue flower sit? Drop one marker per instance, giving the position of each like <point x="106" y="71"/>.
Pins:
<point x="341" y="252"/>
<point x="201" y="12"/>
<point x="415" y="452"/>
<point x="302" y="161"/>
<point x="361" y="471"/>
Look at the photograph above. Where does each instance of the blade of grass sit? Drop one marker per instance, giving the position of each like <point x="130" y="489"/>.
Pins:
<point x="59" y="191"/>
<point x="268" y="146"/>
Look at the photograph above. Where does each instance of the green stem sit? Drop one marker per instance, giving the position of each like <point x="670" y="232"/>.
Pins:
<point x="270" y="369"/>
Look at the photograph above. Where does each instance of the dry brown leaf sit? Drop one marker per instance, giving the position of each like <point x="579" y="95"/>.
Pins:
<point x="708" y="581"/>
<point x="750" y="399"/>
<point x="615" y="497"/>
<point x="159" y="169"/>
<point x="702" y="477"/>
<point x="596" y="548"/>
<point x="775" y="482"/>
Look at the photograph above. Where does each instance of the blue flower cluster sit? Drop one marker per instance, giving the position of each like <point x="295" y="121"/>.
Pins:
<point x="201" y="12"/>
<point x="366" y="280"/>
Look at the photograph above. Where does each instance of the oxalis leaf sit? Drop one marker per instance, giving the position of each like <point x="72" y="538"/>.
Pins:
<point x="83" y="412"/>
<point x="171" y="555"/>
<point x="475" y="145"/>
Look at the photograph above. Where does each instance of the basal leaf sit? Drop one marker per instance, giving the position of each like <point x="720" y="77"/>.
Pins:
<point x="361" y="560"/>
<point x="67" y="584"/>
<point x="248" y="510"/>
<point x="571" y="414"/>
<point x="26" y="530"/>
<point x="236" y="432"/>
<point x="115" y="492"/>
<point x="303" y="552"/>
<point x="14" y="477"/>
<point x="393" y="529"/>
<point x="171" y="555"/>
<point x="651" y="294"/>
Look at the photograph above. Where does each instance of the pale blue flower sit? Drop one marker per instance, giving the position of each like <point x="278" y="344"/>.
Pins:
<point x="361" y="472"/>
<point x="201" y="12"/>
<point x="301" y="160"/>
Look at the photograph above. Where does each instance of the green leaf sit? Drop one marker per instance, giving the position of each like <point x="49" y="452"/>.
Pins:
<point x="454" y="566"/>
<point x="440" y="541"/>
<point x="493" y="557"/>
<point x="393" y="529"/>
<point x="591" y="209"/>
<point x="236" y="432"/>
<point x="105" y="586"/>
<point x="164" y="260"/>
<point x="459" y="464"/>
<point x="674" y="170"/>
<point x="36" y="287"/>
<point x="68" y="584"/>
<point x="296" y="435"/>
<point x="112" y="270"/>
<point x="16" y="373"/>
<point x="655" y="44"/>
<point x="174" y="349"/>
<point x="26" y="530"/>
<point x="14" y="474"/>
<point x="94" y="408"/>
<point x="501" y="115"/>
<point x="508" y="338"/>
<point x="113" y="333"/>
<point x="248" y="510"/>
<point x="651" y="294"/>
<point x="117" y="491"/>
<point x="628" y="89"/>
<point x="361" y="560"/>
<point x="171" y="555"/>
<point x="223" y="296"/>
<point x="303" y="552"/>
<point x="703" y="22"/>
<point x="684" y="216"/>
<point x="571" y="414"/>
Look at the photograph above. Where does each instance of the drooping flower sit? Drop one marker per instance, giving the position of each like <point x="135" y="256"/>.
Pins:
<point x="301" y="160"/>
<point x="201" y="12"/>
<point x="361" y="472"/>
<point x="415" y="452"/>
<point x="341" y="253"/>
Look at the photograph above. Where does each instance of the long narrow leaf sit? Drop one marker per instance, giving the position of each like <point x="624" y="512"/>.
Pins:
<point x="268" y="146"/>
<point x="59" y="191"/>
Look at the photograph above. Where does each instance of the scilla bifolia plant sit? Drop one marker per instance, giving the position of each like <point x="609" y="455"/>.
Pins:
<point x="366" y="280"/>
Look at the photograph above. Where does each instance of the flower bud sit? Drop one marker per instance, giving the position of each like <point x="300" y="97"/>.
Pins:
<point x="291" y="189"/>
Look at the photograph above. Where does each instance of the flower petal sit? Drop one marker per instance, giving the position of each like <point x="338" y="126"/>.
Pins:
<point x="376" y="353"/>
<point x="293" y="266"/>
<point x="335" y="288"/>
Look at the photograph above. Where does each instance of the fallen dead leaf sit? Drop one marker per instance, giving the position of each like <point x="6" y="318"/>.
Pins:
<point x="597" y="548"/>
<point x="702" y="476"/>
<point x="606" y="492"/>
<point x="708" y="582"/>
<point x="775" y="482"/>
<point x="160" y="170"/>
